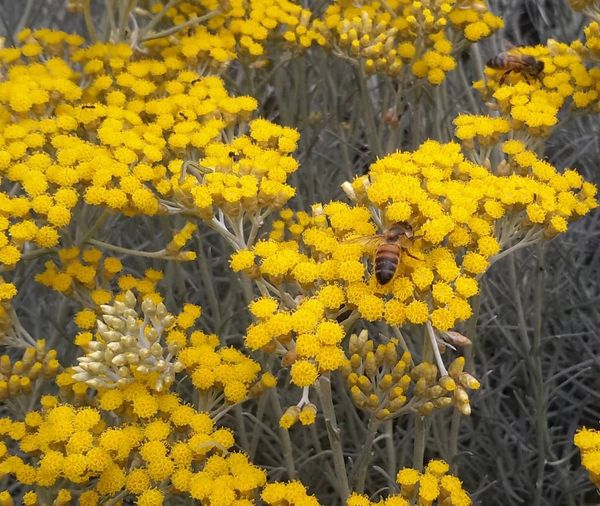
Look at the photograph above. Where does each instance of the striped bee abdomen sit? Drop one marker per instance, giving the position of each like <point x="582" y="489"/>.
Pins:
<point x="386" y="262"/>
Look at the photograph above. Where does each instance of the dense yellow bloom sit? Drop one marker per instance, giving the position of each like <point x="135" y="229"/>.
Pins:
<point x="432" y="485"/>
<point x="419" y="35"/>
<point x="588" y="442"/>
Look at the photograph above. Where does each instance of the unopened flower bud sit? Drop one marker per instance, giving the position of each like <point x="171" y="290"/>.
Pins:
<point x="130" y="299"/>
<point x="426" y="409"/>
<point x="447" y="383"/>
<point x="349" y="191"/>
<point x="468" y="381"/>
<point x="148" y="307"/>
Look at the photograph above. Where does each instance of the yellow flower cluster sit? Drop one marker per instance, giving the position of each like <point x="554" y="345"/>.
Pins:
<point x="474" y="19"/>
<point x="588" y="442"/>
<point x="590" y="49"/>
<point x="532" y="103"/>
<point x="387" y="37"/>
<point x="119" y="134"/>
<point x="432" y="487"/>
<point x="243" y="176"/>
<point x="287" y="494"/>
<point x="36" y="366"/>
<point x="88" y="274"/>
<point x="387" y="386"/>
<point x="241" y="28"/>
<point x="211" y="370"/>
<point x="304" y="337"/>
<point x="462" y="216"/>
<point x="161" y="446"/>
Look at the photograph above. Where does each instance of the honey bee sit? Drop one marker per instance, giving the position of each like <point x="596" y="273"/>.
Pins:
<point x="525" y="64"/>
<point x="395" y="240"/>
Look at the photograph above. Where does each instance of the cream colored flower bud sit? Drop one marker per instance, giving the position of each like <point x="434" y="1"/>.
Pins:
<point x="95" y="346"/>
<point x="148" y="307"/>
<point x="152" y="335"/>
<point x="115" y="347"/>
<point x="156" y="350"/>
<point x="131" y="324"/>
<point x="461" y="396"/>
<point x="81" y="376"/>
<point x="133" y="358"/>
<point x="349" y="191"/>
<point x="120" y="308"/>
<point x="128" y="341"/>
<point x="143" y="369"/>
<point x="96" y="368"/>
<point x="96" y="356"/>
<point x="123" y="382"/>
<point x="119" y="360"/>
<point x="161" y="311"/>
<point x="168" y="320"/>
<point x="95" y="383"/>
<point x="106" y="309"/>
<point x="130" y="299"/>
<point x="178" y="366"/>
<point x="144" y="353"/>
<point x="125" y="373"/>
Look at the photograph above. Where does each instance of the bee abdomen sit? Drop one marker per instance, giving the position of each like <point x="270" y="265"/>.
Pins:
<point x="386" y="262"/>
<point x="497" y="62"/>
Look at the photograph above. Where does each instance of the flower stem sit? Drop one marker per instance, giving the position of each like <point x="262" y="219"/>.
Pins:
<point x="333" y="433"/>
<point x="359" y="471"/>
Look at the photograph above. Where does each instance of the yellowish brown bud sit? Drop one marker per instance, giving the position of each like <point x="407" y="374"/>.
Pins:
<point x="365" y="384"/>
<point x="397" y="403"/>
<point x="461" y="396"/>
<point x="386" y="382"/>
<point x="465" y="409"/>
<point x="420" y="387"/>
<point x="456" y="367"/>
<point x="435" y="391"/>
<point x="447" y="383"/>
<point x="382" y="414"/>
<point x="390" y="354"/>
<point x="371" y="364"/>
<point x="468" y="381"/>
<point x="373" y="401"/>
<point x="426" y="409"/>
<point x="442" y="402"/>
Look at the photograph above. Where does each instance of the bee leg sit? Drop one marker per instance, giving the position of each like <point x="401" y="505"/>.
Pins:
<point x="504" y="76"/>
<point x="412" y="256"/>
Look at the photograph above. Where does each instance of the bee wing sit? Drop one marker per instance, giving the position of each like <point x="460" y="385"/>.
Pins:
<point x="369" y="242"/>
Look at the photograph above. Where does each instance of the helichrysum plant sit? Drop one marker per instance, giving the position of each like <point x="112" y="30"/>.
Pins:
<point x="169" y="123"/>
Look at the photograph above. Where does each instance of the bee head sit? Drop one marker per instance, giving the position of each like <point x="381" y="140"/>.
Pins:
<point x="400" y="228"/>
